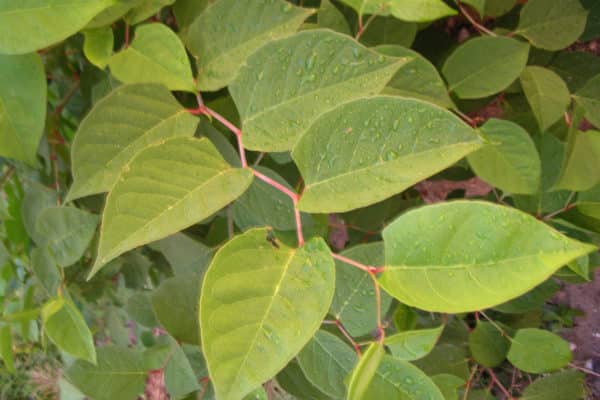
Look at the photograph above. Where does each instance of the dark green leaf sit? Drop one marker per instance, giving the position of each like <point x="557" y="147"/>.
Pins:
<point x="537" y="351"/>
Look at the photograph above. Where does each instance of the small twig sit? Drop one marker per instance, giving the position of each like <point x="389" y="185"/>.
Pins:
<point x="258" y="159"/>
<point x="7" y="175"/>
<point x="499" y="384"/>
<point x="380" y="327"/>
<point x="472" y="20"/>
<point x="63" y="102"/>
<point x="565" y="208"/>
<point x="230" y="228"/>
<point x="466" y="118"/>
<point x="346" y="334"/>
<point x="495" y="325"/>
<point x="362" y="28"/>
<point x="367" y="268"/>
<point x="469" y="381"/>
<point x="585" y="370"/>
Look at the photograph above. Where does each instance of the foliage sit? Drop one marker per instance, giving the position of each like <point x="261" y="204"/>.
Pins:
<point x="232" y="199"/>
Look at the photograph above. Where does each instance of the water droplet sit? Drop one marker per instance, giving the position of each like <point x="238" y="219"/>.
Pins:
<point x="390" y="155"/>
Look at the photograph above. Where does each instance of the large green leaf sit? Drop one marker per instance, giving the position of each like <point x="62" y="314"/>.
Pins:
<point x="227" y="32"/>
<point x="397" y="379"/>
<point x="156" y="55"/>
<point x="27" y="26"/>
<point x="588" y="97"/>
<point x="509" y="159"/>
<point x="559" y="386"/>
<point x="288" y="83"/>
<point x="260" y="304"/>
<point x="418" y="79"/>
<point x="407" y="10"/>
<point x="370" y="149"/>
<point x="362" y="375"/>
<point x="65" y="326"/>
<point x="326" y="362"/>
<point x="22" y="104"/>
<point x="67" y="231"/>
<point x="119" y="375"/>
<point x="120" y="125"/>
<point x="412" y="345"/>
<point x="167" y="187"/>
<point x="354" y="302"/>
<point x="487" y="344"/>
<point x="579" y="171"/>
<point x="470" y="255"/>
<point x="484" y="66"/>
<point x="537" y="351"/>
<point x="546" y="93"/>
<point x="552" y="24"/>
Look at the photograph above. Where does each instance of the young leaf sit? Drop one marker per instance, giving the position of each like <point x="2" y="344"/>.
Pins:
<point x="488" y="346"/>
<point x="156" y="55"/>
<point x="280" y="296"/>
<point x="559" y="386"/>
<point x="98" y="45"/>
<point x="407" y="10"/>
<point x="67" y="231"/>
<point x="120" y="125"/>
<point x="166" y="188"/>
<point x="363" y="373"/>
<point x="470" y="255"/>
<point x="484" y="66"/>
<point x="370" y="149"/>
<point x="547" y="95"/>
<point x="552" y="24"/>
<point x="537" y="351"/>
<point x="326" y="362"/>
<point x="27" y="26"/>
<point x="288" y="83"/>
<point x="509" y="159"/>
<point x="227" y="32"/>
<point x="412" y="345"/>
<point x="22" y="102"/>
<point x="65" y="326"/>
<point x="588" y="97"/>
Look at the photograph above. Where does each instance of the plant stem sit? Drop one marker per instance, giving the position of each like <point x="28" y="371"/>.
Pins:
<point x="362" y="28"/>
<point x="367" y="268"/>
<point x="498" y="384"/>
<point x="565" y="208"/>
<point x="473" y="22"/>
<point x="380" y="328"/>
<point x="346" y="334"/>
<point x="236" y="131"/>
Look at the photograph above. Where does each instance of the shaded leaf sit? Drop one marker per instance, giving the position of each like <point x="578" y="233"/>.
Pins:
<point x="588" y="97"/>
<point x="448" y="385"/>
<point x="139" y="307"/>
<point x="146" y="9"/>
<point x="185" y="254"/>
<point x="37" y="199"/>
<point x="531" y="300"/>
<point x="98" y="45"/>
<point x="45" y="269"/>
<point x="559" y="386"/>
<point x="412" y="345"/>
<point x="407" y="10"/>
<point x="488" y="346"/>
<point x="6" y="348"/>
<point x="446" y="358"/>
<point x="537" y="351"/>
<point x="330" y="17"/>
<point x="576" y="68"/>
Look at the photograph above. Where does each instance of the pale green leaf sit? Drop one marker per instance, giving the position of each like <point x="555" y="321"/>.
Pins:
<point x="537" y="351"/>
<point x="6" y="348"/>
<point x="167" y="187"/>
<point x="67" y="231"/>
<point x="552" y="24"/>
<point x="509" y="160"/>
<point x="559" y="386"/>
<point x="407" y="10"/>
<point x="370" y="149"/>
<point x="120" y="125"/>
<point x="330" y="17"/>
<point x="278" y="295"/>
<point x="397" y="379"/>
<point x="326" y="362"/>
<point x="145" y="10"/>
<point x="546" y="93"/>
<point x="65" y="326"/>
<point x="113" y="13"/>
<point x="484" y="66"/>
<point x="27" y="26"/>
<point x="185" y="254"/>
<point x="175" y="303"/>
<point x="417" y="79"/>
<point x="588" y="97"/>
<point x="289" y="83"/>
<point x="412" y="345"/>
<point x="227" y="32"/>
<point x="364" y="372"/>
<point x="470" y="255"/>
<point x="45" y="269"/>
<point x="354" y="302"/>
<point x="22" y="103"/>
<point x="487" y="344"/>
<point x="579" y="171"/>
<point x="98" y="45"/>
<point x="156" y="55"/>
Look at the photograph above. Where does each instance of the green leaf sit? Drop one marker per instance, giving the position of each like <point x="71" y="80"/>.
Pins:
<point x="576" y="68"/>
<point x="279" y="295"/>
<point x="326" y="362"/>
<point x="389" y="31"/>
<point x="139" y="308"/>
<point x="537" y="351"/>
<point x="113" y="13"/>
<point x="531" y="300"/>
<point x="120" y="125"/>
<point x="293" y="381"/>
<point x="354" y="302"/>
<point x="45" y="269"/>
<point x="227" y="32"/>
<point x="27" y="26"/>
<point x="491" y="8"/>
<point x="186" y="11"/>
<point x="446" y="358"/>
<point x="559" y="386"/>
<point x="407" y="10"/>
<point x="484" y="66"/>
<point x="175" y="303"/>
<point x="412" y="345"/>
<point x="37" y="199"/>
<point x="547" y="95"/>
<point x="509" y="160"/>
<point x="167" y="187"/>
<point x="397" y="379"/>
<point x="331" y="18"/>
<point x="588" y="97"/>
<point x="579" y="171"/>
<point x="22" y="103"/>
<point x="185" y="254"/>
<point x="448" y="385"/>
<point x="156" y="55"/>
<point x="417" y="79"/>
<point x="6" y="350"/>
<point x="488" y="346"/>
<point x="552" y="25"/>
<point x="179" y="375"/>
<point x="364" y="372"/>
<point x="145" y="10"/>
<point x="469" y="255"/>
<point x="67" y="231"/>
<point x="119" y="375"/>
<point x="370" y="149"/>
<point x="98" y="45"/>
<point x="289" y="83"/>
<point x="65" y="326"/>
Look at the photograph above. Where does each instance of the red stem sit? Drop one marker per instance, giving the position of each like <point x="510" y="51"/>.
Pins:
<point x="346" y="334"/>
<point x="367" y="268"/>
